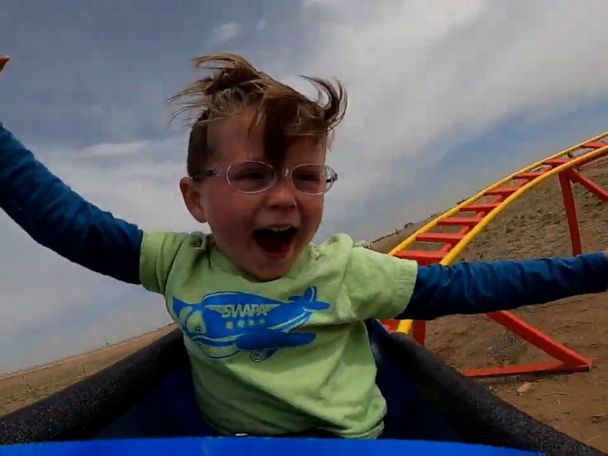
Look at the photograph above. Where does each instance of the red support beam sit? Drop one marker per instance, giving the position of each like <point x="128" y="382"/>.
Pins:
<point x="591" y="186"/>
<point x="423" y="257"/>
<point x="449" y="238"/>
<point x="529" y="176"/>
<point x="419" y="331"/>
<point x="554" y="162"/>
<point x="464" y="221"/>
<point x="503" y="191"/>
<point x="570" y="206"/>
<point x="520" y="369"/>
<point x="537" y="338"/>
<point x="595" y="145"/>
<point x="480" y="207"/>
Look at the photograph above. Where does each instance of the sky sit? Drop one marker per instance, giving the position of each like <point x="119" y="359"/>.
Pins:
<point x="444" y="99"/>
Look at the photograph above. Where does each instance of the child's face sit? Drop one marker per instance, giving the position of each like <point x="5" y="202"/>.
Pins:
<point x="262" y="233"/>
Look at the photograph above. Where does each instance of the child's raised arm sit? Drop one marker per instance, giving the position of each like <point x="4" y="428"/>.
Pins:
<point x="481" y="287"/>
<point x="58" y="218"/>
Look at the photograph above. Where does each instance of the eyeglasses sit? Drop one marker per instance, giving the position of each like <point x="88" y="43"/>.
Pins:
<point x="258" y="176"/>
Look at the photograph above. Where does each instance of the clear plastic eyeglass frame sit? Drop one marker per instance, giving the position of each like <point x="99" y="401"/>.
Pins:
<point x="268" y="177"/>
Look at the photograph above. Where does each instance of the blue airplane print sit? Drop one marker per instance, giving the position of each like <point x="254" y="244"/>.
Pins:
<point x="227" y="323"/>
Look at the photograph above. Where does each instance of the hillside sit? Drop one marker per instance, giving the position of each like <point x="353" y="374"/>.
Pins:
<point x="535" y="226"/>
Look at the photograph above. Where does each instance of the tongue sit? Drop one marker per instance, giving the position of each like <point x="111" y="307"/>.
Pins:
<point x="273" y="241"/>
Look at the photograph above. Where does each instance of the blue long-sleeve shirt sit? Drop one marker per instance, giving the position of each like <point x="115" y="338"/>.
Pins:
<point x="60" y="219"/>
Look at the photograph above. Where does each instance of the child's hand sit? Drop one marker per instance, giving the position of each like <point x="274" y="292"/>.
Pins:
<point x="3" y="61"/>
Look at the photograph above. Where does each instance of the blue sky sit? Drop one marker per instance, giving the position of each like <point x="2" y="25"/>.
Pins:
<point x="445" y="97"/>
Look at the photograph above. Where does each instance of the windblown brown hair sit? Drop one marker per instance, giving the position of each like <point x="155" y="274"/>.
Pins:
<point x="283" y="113"/>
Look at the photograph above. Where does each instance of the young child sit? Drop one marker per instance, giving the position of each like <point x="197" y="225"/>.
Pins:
<point x="273" y="324"/>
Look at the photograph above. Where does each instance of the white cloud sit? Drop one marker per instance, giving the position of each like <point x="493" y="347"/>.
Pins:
<point x="261" y="25"/>
<point x="114" y="149"/>
<point x="144" y="183"/>
<point x="425" y="75"/>
<point x="226" y="32"/>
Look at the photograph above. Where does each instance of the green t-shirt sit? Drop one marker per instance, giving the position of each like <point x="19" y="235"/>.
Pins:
<point x="287" y="355"/>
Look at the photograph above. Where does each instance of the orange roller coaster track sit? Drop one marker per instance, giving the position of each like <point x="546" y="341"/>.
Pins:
<point x="470" y="217"/>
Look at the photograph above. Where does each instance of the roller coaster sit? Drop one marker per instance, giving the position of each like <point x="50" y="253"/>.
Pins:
<point x="451" y="232"/>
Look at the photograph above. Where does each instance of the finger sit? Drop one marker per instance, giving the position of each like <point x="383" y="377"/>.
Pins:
<point x="3" y="61"/>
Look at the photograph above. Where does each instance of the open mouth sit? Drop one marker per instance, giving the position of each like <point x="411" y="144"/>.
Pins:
<point x="273" y="240"/>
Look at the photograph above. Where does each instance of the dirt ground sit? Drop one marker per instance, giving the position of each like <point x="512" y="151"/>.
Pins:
<point x="21" y="388"/>
<point x="535" y="226"/>
<point x="576" y="404"/>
